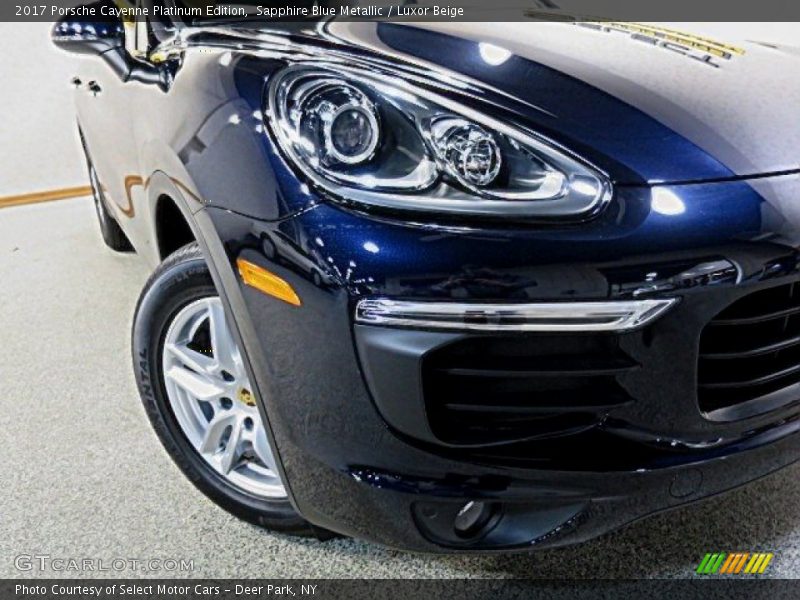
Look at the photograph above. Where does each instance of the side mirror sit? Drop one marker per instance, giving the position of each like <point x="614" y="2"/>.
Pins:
<point x="87" y="37"/>
<point x="99" y="38"/>
<point x="105" y="39"/>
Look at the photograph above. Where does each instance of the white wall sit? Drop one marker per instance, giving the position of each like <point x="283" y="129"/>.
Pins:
<point x="39" y="148"/>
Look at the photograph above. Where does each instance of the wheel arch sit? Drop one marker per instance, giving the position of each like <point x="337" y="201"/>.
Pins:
<point x="170" y="217"/>
<point x="172" y="228"/>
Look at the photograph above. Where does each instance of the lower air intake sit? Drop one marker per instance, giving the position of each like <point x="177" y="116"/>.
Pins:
<point x="750" y="355"/>
<point x="504" y="389"/>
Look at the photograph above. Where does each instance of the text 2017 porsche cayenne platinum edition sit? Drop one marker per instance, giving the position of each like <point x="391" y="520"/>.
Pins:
<point x="453" y="286"/>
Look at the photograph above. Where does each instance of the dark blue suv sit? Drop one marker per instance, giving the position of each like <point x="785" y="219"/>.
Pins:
<point x="451" y="286"/>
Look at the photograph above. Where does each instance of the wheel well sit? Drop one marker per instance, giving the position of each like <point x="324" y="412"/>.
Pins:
<point x="172" y="230"/>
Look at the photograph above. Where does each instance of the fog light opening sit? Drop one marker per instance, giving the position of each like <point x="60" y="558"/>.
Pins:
<point x="475" y="518"/>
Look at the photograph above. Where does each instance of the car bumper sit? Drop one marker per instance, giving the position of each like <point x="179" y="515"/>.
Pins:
<point x="365" y="417"/>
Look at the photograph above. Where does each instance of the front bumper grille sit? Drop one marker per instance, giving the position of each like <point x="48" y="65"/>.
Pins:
<point x="749" y="359"/>
<point x="497" y="390"/>
<point x="596" y="401"/>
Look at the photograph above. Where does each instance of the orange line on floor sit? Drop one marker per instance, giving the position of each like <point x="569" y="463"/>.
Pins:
<point x="49" y="196"/>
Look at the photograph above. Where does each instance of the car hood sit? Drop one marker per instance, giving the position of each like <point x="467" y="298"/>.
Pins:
<point x="663" y="104"/>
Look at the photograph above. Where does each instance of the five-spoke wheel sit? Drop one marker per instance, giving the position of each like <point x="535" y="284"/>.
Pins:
<point x="212" y="398"/>
<point x="195" y="386"/>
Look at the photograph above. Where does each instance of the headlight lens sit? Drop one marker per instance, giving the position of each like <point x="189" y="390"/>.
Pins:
<point x="352" y="134"/>
<point x="377" y="143"/>
<point x="334" y="123"/>
<point x="468" y="152"/>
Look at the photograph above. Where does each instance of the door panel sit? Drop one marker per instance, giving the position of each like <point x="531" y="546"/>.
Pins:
<point x="106" y="108"/>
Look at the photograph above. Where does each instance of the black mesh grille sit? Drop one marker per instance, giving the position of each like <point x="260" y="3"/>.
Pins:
<point x="490" y="390"/>
<point x="751" y="350"/>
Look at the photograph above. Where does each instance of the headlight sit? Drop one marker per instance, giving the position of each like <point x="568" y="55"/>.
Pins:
<point x="373" y="142"/>
<point x="335" y="124"/>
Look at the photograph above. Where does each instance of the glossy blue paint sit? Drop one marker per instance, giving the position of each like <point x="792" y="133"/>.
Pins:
<point x="379" y="256"/>
<point x="199" y="134"/>
<point x="616" y="136"/>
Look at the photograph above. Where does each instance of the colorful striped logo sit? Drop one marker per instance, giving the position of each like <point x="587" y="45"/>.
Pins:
<point x="719" y="563"/>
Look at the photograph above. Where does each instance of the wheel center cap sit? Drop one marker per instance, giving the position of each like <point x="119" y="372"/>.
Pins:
<point x="246" y="397"/>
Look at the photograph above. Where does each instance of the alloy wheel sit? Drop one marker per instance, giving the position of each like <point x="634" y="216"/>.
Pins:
<point x="213" y="402"/>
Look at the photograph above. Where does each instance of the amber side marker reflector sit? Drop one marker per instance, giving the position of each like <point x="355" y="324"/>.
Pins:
<point x="267" y="282"/>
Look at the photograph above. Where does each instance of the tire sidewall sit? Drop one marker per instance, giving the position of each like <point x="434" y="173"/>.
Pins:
<point x="110" y="229"/>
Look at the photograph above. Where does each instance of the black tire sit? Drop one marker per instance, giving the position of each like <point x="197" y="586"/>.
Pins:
<point x="181" y="279"/>
<point x="112" y="233"/>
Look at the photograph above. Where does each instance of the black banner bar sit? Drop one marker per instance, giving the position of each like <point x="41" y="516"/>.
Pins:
<point x="411" y="10"/>
<point x="353" y="589"/>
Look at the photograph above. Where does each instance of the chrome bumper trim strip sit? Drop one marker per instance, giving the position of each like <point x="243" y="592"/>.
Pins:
<point x="622" y="315"/>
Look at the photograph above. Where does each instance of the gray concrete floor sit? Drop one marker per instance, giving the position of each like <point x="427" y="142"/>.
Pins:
<point x="82" y="474"/>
